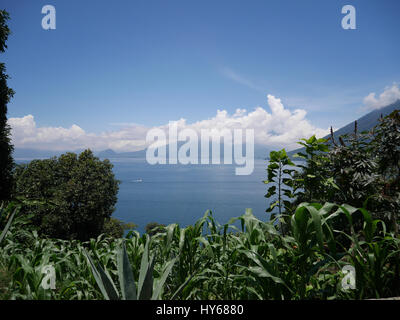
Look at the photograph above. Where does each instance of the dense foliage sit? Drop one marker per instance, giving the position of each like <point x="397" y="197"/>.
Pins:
<point x="210" y="261"/>
<point x="71" y="196"/>
<point x="361" y="169"/>
<point x="6" y="149"/>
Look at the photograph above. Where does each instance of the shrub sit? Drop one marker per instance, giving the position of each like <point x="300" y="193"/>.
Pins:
<point x="115" y="228"/>
<point x="153" y="228"/>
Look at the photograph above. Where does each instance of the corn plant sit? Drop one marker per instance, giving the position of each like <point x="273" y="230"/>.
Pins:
<point x="244" y="259"/>
<point x="147" y="287"/>
<point x="375" y="257"/>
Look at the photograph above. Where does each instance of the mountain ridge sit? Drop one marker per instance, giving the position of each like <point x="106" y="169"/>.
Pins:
<point x="364" y="123"/>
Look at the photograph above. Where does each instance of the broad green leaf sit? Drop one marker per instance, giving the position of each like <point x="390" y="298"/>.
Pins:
<point x="161" y="281"/>
<point x="103" y="280"/>
<point x="125" y="274"/>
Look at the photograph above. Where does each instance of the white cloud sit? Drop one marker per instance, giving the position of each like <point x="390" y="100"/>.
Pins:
<point x="25" y="134"/>
<point x="388" y="96"/>
<point x="278" y="128"/>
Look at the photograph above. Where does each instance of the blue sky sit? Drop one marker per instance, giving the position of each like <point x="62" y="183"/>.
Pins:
<point x="148" y="62"/>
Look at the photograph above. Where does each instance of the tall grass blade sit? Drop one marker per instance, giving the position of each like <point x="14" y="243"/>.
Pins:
<point x="7" y="227"/>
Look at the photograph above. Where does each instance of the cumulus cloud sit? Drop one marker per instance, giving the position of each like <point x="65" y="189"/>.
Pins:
<point x="278" y="128"/>
<point x="388" y="96"/>
<point x="26" y="134"/>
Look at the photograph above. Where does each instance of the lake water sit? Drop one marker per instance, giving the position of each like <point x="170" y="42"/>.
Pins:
<point x="183" y="193"/>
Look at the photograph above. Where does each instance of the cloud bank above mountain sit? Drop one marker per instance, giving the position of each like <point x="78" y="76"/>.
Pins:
<point x="278" y="128"/>
<point x="388" y="96"/>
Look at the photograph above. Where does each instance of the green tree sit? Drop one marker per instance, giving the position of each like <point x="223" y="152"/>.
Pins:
<point x="71" y="197"/>
<point x="6" y="149"/>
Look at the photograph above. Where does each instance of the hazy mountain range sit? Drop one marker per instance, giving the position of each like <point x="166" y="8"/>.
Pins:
<point x="260" y="152"/>
<point x="368" y="121"/>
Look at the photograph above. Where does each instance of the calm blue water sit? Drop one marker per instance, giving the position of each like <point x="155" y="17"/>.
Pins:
<point x="183" y="193"/>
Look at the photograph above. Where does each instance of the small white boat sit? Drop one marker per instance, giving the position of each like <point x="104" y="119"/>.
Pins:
<point x="138" y="180"/>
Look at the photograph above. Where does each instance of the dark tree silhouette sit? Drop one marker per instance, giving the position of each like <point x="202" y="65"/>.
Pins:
<point x="6" y="149"/>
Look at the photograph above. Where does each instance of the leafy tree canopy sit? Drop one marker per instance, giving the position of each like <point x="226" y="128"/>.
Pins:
<point x="71" y="196"/>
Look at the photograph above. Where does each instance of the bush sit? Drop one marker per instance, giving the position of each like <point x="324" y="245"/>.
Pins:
<point x="71" y="196"/>
<point x="115" y="228"/>
<point x="153" y="228"/>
